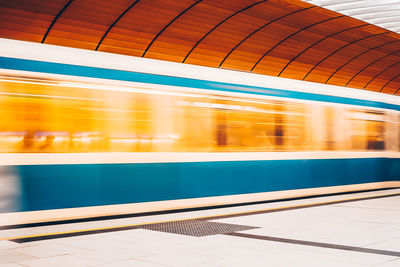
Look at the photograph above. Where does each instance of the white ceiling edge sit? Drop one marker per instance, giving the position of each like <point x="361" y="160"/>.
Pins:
<point x="382" y="13"/>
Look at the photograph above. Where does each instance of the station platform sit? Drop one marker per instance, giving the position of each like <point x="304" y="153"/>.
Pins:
<point x="357" y="229"/>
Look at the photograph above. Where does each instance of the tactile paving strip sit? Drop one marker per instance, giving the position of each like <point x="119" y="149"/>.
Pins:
<point x="196" y="227"/>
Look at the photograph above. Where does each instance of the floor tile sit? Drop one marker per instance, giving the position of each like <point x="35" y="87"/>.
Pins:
<point x="10" y="265"/>
<point x="131" y="263"/>
<point x="7" y="256"/>
<point x="47" y="250"/>
<point x="5" y="244"/>
<point x="392" y="263"/>
<point x="58" y="261"/>
<point x="112" y="254"/>
<point x="391" y="244"/>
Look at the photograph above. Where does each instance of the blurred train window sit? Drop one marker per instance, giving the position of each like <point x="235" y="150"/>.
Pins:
<point x="330" y="143"/>
<point x="367" y="130"/>
<point x="295" y="125"/>
<point x="56" y="116"/>
<point x="234" y="125"/>
<point x="398" y="133"/>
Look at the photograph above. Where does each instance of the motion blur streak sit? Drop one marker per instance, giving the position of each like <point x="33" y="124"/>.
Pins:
<point x="10" y="194"/>
<point x="56" y="116"/>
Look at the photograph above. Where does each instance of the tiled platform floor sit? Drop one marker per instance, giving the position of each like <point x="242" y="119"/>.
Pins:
<point x="372" y="224"/>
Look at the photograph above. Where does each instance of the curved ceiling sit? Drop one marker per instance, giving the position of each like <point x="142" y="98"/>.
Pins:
<point x="284" y="38"/>
<point x="383" y="13"/>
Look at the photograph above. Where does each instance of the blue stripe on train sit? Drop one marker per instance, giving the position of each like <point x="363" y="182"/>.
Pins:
<point x="66" y="186"/>
<point x="84" y="71"/>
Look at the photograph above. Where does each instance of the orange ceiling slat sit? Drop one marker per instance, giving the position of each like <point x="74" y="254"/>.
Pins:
<point x="284" y="38"/>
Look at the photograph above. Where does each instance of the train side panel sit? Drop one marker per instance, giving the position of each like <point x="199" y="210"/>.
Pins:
<point x="68" y="186"/>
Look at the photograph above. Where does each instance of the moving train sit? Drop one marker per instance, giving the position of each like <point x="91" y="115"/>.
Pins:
<point x="90" y="129"/>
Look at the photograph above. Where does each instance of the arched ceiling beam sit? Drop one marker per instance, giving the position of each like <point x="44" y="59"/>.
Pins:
<point x="378" y="74"/>
<point x="357" y="56"/>
<point x="337" y="50"/>
<point x="115" y="22"/>
<point x="290" y="36"/>
<point x="166" y="26"/>
<point x="390" y="82"/>
<point x="370" y="64"/>
<point x="314" y="44"/>
<point x="55" y="20"/>
<point x="219" y="24"/>
<point x="257" y="30"/>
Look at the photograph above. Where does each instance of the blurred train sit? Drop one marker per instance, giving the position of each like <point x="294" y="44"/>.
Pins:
<point x="83" y="129"/>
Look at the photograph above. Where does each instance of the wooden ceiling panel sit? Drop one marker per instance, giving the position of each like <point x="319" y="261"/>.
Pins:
<point x="379" y="81"/>
<point x="262" y="37"/>
<point x="194" y="24"/>
<point x="337" y="58"/>
<point x="299" y="51"/>
<point x="141" y="19"/>
<point x="391" y="87"/>
<point x="120" y="50"/>
<point x="27" y="20"/>
<point x="320" y="51"/>
<point x="284" y="38"/>
<point x="222" y="35"/>
<point x="74" y="39"/>
<point x="71" y="40"/>
<point x="358" y="62"/>
<point x="132" y="46"/>
<point x="12" y="22"/>
<point x="373" y="71"/>
<point x="36" y="6"/>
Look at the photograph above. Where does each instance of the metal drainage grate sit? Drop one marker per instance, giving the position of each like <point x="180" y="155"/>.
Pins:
<point x="196" y="227"/>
